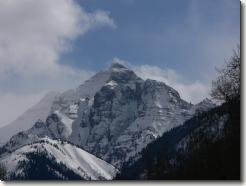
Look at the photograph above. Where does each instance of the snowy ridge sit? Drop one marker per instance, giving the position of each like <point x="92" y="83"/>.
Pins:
<point x="81" y="162"/>
<point x="57" y="126"/>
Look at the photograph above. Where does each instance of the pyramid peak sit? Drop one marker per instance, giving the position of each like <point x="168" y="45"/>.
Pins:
<point x="117" y="63"/>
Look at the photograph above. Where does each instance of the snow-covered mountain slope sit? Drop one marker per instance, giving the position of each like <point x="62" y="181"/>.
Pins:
<point x="128" y="113"/>
<point x="114" y="115"/>
<point x="86" y="165"/>
<point x="124" y="119"/>
<point x="39" y="111"/>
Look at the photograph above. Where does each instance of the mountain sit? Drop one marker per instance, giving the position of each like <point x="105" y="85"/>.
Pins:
<point x="205" y="147"/>
<point x="52" y="159"/>
<point x="203" y="106"/>
<point x="114" y="116"/>
<point x="39" y="111"/>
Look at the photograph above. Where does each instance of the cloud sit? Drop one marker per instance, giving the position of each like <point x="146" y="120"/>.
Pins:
<point x="34" y="34"/>
<point x="33" y="37"/>
<point x="193" y="92"/>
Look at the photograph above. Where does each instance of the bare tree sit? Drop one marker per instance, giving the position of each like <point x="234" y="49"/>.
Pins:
<point x="227" y="85"/>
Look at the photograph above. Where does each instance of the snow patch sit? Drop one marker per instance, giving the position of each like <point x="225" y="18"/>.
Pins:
<point x="111" y="83"/>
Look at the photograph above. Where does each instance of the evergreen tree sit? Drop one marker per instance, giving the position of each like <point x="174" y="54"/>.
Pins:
<point x="2" y="172"/>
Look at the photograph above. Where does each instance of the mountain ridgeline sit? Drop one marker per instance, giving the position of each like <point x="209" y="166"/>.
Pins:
<point x="118" y="123"/>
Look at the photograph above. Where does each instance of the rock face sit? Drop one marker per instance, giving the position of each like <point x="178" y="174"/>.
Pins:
<point x="114" y="115"/>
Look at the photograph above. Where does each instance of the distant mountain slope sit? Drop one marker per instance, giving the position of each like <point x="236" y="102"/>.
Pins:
<point x="52" y="159"/>
<point x="39" y="111"/>
<point x="207" y="147"/>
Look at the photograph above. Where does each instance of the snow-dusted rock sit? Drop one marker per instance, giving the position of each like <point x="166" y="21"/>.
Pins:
<point x="204" y="105"/>
<point x="75" y="159"/>
<point x="113" y="115"/>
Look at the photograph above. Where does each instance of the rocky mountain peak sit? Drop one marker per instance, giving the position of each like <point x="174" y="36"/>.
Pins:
<point x="121" y="74"/>
<point x="204" y="105"/>
<point x="113" y="115"/>
<point x="117" y="65"/>
<point x="207" y="103"/>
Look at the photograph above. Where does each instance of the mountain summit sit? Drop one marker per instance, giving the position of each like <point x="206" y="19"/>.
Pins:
<point x="117" y="65"/>
<point x="114" y="116"/>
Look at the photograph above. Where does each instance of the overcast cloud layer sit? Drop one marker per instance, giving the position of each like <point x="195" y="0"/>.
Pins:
<point x="33" y="36"/>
